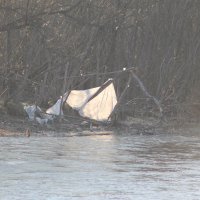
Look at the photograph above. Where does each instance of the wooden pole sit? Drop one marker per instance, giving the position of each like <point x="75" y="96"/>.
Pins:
<point x="64" y="89"/>
<point x="121" y="98"/>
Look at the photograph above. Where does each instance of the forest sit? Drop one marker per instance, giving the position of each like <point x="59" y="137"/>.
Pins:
<point x="48" y="47"/>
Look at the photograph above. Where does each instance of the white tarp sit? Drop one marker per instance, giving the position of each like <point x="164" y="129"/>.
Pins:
<point x="77" y="98"/>
<point x="56" y="109"/>
<point x="95" y="103"/>
<point x="99" y="108"/>
<point x="88" y="105"/>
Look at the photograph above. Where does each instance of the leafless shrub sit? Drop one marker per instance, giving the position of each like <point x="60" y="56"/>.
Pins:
<point x="46" y="48"/>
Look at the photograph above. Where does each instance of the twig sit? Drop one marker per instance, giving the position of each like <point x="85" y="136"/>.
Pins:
<point x="3" y="92"/>
<point x="142" y="87"/>
<point x="64" y="88"/>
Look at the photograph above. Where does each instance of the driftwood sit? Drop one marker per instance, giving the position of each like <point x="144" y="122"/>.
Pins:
<point x="88" y="133"/>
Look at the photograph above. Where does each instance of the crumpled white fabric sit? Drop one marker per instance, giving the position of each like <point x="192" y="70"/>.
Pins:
<point x="77" y="98"/>
<point x="99" y="108"/>
<point x="31" y="110"/>
<point x="56" y="109"/>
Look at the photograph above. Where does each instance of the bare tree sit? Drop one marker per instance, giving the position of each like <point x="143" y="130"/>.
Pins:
<point x="160" y="38"/>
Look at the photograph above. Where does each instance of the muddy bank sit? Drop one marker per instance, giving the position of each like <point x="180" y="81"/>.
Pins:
<point x="20" y="126"/>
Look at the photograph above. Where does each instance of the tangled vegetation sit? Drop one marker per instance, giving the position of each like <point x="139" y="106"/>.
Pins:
<point x="48" y="47"/>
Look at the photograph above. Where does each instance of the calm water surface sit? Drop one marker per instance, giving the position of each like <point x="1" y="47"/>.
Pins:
<point x="100" y="167"/>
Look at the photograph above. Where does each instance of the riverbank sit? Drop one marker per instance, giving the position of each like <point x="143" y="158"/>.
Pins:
<point x="19" y="126"/>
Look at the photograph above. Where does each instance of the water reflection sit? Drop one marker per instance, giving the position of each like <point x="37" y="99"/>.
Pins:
<point x="100" y="167"/>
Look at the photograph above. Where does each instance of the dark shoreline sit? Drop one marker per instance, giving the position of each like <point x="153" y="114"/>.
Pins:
<point x="11" y="126"/>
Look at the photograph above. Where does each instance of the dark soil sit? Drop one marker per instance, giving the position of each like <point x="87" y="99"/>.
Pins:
<point x="21" y="126"/>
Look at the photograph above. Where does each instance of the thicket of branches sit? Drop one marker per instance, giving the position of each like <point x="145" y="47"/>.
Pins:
<point x="48" y="47"/>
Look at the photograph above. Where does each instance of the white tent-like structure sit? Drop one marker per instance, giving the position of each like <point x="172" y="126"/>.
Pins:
<point x="94" y="103"/>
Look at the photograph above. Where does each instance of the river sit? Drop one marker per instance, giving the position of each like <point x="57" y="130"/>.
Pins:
<point x="118" y="166"/>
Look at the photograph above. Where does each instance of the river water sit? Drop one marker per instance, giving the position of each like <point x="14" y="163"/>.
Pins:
<point x="138" y="167"/>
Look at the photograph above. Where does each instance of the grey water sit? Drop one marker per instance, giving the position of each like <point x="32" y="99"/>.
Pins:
<point x="105" y="167"/>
